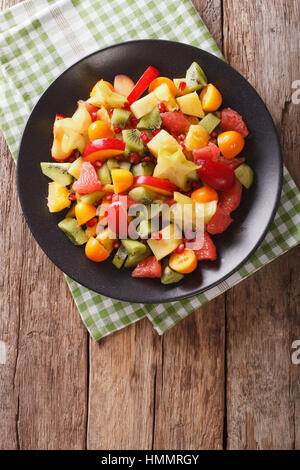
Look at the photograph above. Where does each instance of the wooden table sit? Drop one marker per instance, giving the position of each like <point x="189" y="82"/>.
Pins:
<point x="222" y="378"/>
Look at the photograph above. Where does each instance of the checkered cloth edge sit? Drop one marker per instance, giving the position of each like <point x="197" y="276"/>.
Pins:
<point x="39" y="39"/>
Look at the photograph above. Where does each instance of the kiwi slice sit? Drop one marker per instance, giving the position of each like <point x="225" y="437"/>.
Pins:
<point x="104" y="174"/>
<point x="210" y="122"/>
<point x="245" y="175"/>
<point x="133" y="247"/>
<point x="92" y="198"/>
<point x="195" y="76"/>
<point x="119" y="117"/>
<point x="120" y="257"/>
<point x="136" y="258"/>
<point x="58" y="172"/>
<point x="133" y="141"/>
<point x="73" y="231"/>
<point x="143" y="169"/>
<point x="142" y="195"/>
<point x="151" y="120"/>
<point x="169" y="276"/>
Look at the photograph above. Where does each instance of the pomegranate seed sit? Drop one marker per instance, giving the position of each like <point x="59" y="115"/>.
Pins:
<point x="98" y="164"/>
<point x="156" y="236"/>
<point x="92" y="222"/>
<point x="117" y="130"/>
<point x="111" y="111"/>
<point x="134" y="157"/>
<point x="173" y="134"/>
<point x="181" y="86"/>
<point x="72" y="159"/>
<point x="181" y="136"/>
<point x="144" y="136"/>
<point x="126" y="105"/>
<point x="72" y="197"/>
<point x="147" y="159"/>
<point x="182" y="146"/>
<point x="108" y="196"/>
<point x="180" y="249"/>
<point x="134" y="122"/>
<point x="155" y="131"/>
<point x="162" y="107"/>
<point x="188" y="194"/>
<point x="116" y="244"/>
<point x="119" y="157"/>
<point x="214" y="134"/>
<point x="94" y="116"/>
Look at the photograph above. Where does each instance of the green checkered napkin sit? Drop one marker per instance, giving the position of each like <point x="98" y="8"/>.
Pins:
<point x="38" y="40"/>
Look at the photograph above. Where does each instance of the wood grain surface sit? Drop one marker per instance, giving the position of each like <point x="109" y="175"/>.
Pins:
<point x="223" y="377"/>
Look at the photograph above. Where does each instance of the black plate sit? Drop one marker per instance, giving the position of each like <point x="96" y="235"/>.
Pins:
<point x="251" y="220"/>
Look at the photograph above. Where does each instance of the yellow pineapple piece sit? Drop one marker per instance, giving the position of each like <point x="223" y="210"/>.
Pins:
<point x="103" y="96"/>
<point x="163" y="141"/>
<point x="144" y="105"/>
<point x="197" y="137"/>
<point x="102" y="115"/>
<point x="171" y="238"/>
<point x="190" y="104"/>
<point x="58" y="197"/>
<point x="75" y="167"/>
<point x="163" y="94"/>
<point x="107" y="239"/>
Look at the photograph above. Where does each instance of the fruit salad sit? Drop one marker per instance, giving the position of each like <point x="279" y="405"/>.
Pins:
<point x="146" y="173"/>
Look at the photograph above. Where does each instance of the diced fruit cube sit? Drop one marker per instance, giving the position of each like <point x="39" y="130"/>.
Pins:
<point x="163" y="140"/>
<point x="151" y="120"/>
<point x="171" y="238"/>
<point x="197" y="137"/>
<point x="104" y="96"/>
<point x="120" y="117"/>
<point x="107" y="239"/>
<point x="122" y="180"/>
<point x="75" y="167"/>
<point x="84" y="212"/>
<point x="144" y="105"/>
<point x="164" y="95"/>
<point x="123" y="85"/>
<point x="191" y="104"/>
<point x="175" y="121"/>
<point x="149" y="267"/>
<point x="58" y="197"/>
<point x="210" y="122"/>
<point x="169" y="276"/>
<point x="244" y="174"/>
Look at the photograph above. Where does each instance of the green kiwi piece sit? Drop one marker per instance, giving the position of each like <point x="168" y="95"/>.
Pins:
<point x="151" y="120"/>
<point x="119" y="117"/>
<point x="133" y="141"/>
<point x="73" y="231"/>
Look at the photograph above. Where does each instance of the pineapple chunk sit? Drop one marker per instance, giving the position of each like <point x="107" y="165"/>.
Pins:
<point x="58" y="197"/>
<point x="75" y="167"/>
<point x="197" y="137"/>
<point x="164" y="94"/>
<point x="171" y="238"/>
<point x="163" y="141"/>
<point x="102" y="115"/>
<point x="103" y="96"/>
<point x="107" y="239"/>
<point x="144" y="105"/>
<point x="82" y="119"/>
<point x="191" y="104"/>
<point x="72" y="140"/>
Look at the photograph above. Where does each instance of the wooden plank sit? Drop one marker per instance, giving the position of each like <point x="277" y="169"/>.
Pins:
<point x="190" y="382"/>
<point x="43" y="383"/>
<point x="263" y="312"/>
<point x="122" y="389"/>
